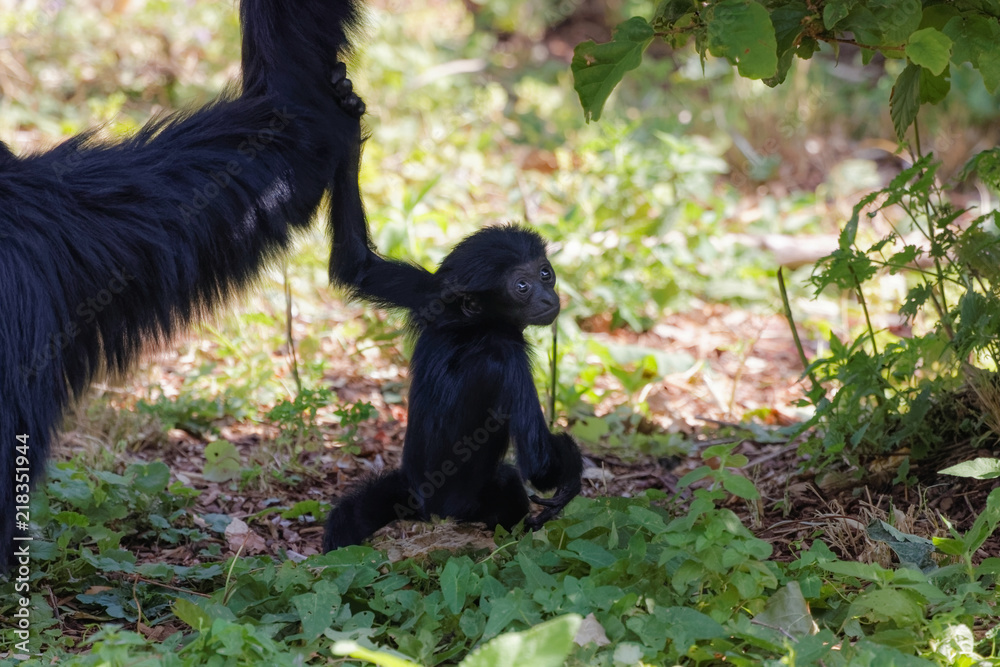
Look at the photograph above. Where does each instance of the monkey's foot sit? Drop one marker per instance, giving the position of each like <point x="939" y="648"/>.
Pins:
<point x="344" y="90"/>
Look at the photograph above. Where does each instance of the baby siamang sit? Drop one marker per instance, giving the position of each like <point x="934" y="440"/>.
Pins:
<point x="109" y="248"/>
<point x="471" y="391"/>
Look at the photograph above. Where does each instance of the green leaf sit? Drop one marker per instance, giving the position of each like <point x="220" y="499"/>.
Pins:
<point x="598" y="68"/>
<point x="742" y="32"/>
<point x="303" y="508"/>
<point x="690" y="478"/>
<point x="740" y="486"/>
<point x="865" y="571"/>
<point x="315" y="609"/>
<point x="862" y="22"/>
<point x="973" y="41"/>
<point x="196" y="617"/>
<point x="222" y="462"/>
<point x="834" y="11"/>
<point x="949" y="546"/>
<point x="788" y="611"/>
<point x="985" y="165"/>
<point x="896" y="19"/>
<point x="534" y="576"/>
<point x="911" y="549"/>
<point x="929" y="48"/>
<point x="451" y="588"/>
<point x="904" y="102"/>
<point x="784" y="64"/>
<point x="670" y="11"/>
<point x="788" y="23"/>
<point x="592" y="554"/>
<point x="502" y="612"/>
<point x="980" y="468"/>
<point x="989" y="67"/>
<point x="647" y="519"/>
<point x="685" y="626"/>
<point x="985" y="523"/>
<point x="70" y="518"/>
<point x="937" y="16"/>
<point x="849" y="233"/>
<point x="915" y="300"/>
<point x="151" y="478"/>
<point x="970" y="37"/>
<point x="545" y="645"/>
<point x="903" y="607"/>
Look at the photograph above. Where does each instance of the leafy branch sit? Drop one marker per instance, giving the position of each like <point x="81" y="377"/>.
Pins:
<point x="763" y="39"/>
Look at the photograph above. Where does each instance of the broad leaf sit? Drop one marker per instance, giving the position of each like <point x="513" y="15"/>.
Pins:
<point x="934" y="87"/>
<point x="598" y="68"/>
<point x="970" y="37"/>
<point x="929" y="48"/>
<point x="834" y="11"/>
<point x="985" y="523"/>
<point x="979" y="468"/>
<point x="742" y="32"/>
<point x="904" y="102"/>
<point x="545" y="645"/>
<point x="896" y="19"/>
<point x="222" y="462"/>
<point x="911" y="549"/>
<point x="788" y="612"/>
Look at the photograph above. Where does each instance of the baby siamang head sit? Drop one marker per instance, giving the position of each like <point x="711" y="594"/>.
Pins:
<point x="503" y="273"/>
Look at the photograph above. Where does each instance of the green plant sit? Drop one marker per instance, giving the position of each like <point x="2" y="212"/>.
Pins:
<point x="720" y="459"/>
<point x="657" y="584"/>
<point x="297" y="418"/>
<point x="762" y="40"/>
<point x="879" y="392"/>
<point x="192" y="413"/>
<point x="350" y="418"/>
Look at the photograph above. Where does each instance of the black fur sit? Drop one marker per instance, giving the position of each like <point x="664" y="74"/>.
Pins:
<point x="107" y="248"/>
<point x="471" y="394"/>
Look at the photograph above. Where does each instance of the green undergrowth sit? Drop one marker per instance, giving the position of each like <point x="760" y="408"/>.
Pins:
<point x="655" y="581"/>
<point x="934" y="385"/>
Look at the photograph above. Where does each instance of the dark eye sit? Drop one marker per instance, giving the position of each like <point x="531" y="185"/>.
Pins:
<point x="546" y="274"/>
<point x="522" y="286"/>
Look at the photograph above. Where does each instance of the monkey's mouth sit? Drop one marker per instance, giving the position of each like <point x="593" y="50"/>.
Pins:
<point x="545" y="317"/>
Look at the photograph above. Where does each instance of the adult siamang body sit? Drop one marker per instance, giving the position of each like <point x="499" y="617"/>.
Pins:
<point x="108" y="248"/>
<point x="471" y="390"/>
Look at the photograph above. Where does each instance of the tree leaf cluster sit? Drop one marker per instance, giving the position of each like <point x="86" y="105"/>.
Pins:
<point x="763" y="38"/>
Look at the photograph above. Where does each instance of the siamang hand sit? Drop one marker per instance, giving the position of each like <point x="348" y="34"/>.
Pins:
<point x="552" y="505"/>
<point x="344" y="89"/>
<point x="569" y="466"/>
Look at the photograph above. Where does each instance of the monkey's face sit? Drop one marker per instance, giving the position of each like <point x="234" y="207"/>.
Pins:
<point x="530" y="290"/>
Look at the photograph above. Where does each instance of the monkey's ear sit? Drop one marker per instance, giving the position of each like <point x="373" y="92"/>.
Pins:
<point x="471" y="306"/>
